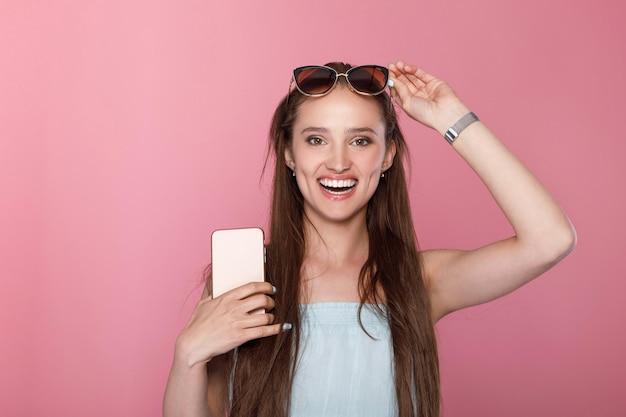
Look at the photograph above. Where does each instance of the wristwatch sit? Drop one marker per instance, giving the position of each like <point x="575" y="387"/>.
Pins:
<point x="456" y="129"/>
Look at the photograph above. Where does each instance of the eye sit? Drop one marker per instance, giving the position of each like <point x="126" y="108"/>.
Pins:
<point x="315" y="140"/>
<point x="361" y="141"/>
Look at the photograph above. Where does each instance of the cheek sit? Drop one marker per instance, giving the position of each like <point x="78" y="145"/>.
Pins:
<point x="374" y="162"/>
<point x="306" y="161"/>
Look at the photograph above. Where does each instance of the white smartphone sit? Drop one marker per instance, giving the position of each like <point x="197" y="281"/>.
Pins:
<point x="237" y="257"/>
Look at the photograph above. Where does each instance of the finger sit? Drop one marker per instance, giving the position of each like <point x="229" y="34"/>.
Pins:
<point x="254" y="320"/>
<point x="265" y="331"/>
<point x="266" y="319"/>
<point x="403" y="88"/>
<point x="395" y="96"/>
<point x="419" y="73"/>
<point x="412" y="72"/>
<point x="251" y="288"/>
<point x="256" y="302"/>
<point x="396" y="67"/>
<point x="257" y="332"/>
<point x="414" y="85"/>
<point x="401" y="77"/>
<point x="245" y="335"/>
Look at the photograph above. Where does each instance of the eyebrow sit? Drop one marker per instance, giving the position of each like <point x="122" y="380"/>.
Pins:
<point x="351" y="130"/>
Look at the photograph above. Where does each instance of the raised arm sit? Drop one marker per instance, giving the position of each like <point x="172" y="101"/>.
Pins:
<point x="543" y="233"/>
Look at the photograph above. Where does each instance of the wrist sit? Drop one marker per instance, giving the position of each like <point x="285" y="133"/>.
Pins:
<point x="189" y="363"/>
<point x="187" y="357"/>
<point x="450" y="116"/>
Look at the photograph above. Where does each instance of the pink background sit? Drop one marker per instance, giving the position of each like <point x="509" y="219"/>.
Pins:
<point x="130" y="129"/>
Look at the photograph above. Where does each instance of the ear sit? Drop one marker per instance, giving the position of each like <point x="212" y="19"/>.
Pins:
<point x="289" y="161"/>
<point x="390" y="153"/>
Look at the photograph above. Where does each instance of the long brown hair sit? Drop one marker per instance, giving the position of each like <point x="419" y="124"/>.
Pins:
<point x="263" y="369"/>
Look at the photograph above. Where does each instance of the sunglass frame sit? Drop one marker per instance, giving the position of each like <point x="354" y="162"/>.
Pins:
<point x="346" y="74"/>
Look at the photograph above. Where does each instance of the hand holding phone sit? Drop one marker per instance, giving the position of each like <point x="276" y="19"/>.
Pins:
<point x="218" y="326"/>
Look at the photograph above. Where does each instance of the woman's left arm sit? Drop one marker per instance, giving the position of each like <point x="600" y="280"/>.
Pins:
<point x="543" y="233"/>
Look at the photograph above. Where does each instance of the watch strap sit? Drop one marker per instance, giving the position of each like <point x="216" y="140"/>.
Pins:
<point x="456" y="129"/>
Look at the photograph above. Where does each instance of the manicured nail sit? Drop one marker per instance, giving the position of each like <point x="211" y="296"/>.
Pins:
<point x="390" y="83"/>
<point x="287" y="326"/>
<point x="274" y="289"/>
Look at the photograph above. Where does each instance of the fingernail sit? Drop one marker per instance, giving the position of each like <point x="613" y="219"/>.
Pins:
<point x="390" y="83"/>
<point x="287" y="326"/>
<point x="274" y="289"/>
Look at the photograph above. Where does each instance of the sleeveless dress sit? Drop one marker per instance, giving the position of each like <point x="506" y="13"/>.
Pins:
<point x="341" y="371"/>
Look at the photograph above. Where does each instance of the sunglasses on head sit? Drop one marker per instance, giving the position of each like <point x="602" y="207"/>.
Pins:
<point x="318" y="80"/>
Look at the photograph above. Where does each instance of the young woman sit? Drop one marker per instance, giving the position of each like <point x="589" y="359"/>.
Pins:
<point x="352" y="302"/>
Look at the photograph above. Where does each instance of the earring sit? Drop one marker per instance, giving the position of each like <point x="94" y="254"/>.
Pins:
<point x="293" y="173"/>
<point x="382" y="174"/>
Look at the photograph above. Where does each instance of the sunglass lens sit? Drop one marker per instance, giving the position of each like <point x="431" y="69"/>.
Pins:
<point x="315" y="80"/>
<point x="369" y="79"/>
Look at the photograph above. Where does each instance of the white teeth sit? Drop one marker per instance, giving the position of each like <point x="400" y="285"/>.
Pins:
<point x="337" y="183"/>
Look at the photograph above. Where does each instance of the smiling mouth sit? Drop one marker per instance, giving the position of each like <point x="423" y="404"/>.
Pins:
<point x="337" y="187"/>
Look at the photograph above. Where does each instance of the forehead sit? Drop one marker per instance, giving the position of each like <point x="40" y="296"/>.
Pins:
<point x="341" y="107"/>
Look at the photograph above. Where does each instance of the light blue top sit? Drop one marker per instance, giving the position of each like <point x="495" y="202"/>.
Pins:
<point x="341" y="371"/>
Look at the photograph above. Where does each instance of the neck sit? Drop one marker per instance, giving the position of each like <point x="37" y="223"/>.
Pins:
<point x="337" y="243"/>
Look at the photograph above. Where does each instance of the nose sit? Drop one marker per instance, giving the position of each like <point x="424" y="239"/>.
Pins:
<point x="338" y="159"/>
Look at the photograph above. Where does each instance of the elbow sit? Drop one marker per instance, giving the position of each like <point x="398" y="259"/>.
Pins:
<point x="567" y="243"/>
<point x="558" y="243"/>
